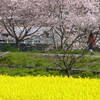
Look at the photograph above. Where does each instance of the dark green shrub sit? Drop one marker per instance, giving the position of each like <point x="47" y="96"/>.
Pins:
<point x="86" y="74"/>
<point x="38" y="64"/>
<point x="9" y="47"/>
<point x="54" y="73"/>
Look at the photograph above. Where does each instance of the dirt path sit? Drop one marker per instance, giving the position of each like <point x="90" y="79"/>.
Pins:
<point x="2" y="54"/>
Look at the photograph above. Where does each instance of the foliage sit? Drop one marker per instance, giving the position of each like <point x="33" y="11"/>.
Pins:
<point x="21" y="71"/>
<point x="9" y="47"/>
<point x="86" y="74"/>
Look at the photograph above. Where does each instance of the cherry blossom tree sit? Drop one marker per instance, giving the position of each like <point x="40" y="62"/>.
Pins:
<point x="70" y="20"/>
<point x="68" y="17"/>
<point x="18" y="17"/>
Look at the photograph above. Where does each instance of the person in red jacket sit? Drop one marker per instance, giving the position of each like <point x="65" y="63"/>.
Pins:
<point x="91" y="42"/>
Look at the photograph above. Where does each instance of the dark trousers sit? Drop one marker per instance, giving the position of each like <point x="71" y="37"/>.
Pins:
<point x="90" y="46"/>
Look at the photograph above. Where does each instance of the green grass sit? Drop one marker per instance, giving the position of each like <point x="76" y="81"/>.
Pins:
<point x="36" y="71"/>
<point x="67" y="52"/>
<point x="38" y="59"/>
<point x="25" y="59"/>
<point x="79" y="75"/>
<point x="90" y="63"/>
<point x="26" y="71"/>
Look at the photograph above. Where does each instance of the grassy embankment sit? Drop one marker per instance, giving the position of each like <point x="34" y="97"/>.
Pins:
<point x="37" y="59"/>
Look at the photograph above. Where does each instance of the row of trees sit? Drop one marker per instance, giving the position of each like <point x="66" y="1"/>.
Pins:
<point x="67" y="20"/>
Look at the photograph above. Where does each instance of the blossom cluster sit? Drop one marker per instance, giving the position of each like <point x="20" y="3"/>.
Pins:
<point x="48" y="88"/>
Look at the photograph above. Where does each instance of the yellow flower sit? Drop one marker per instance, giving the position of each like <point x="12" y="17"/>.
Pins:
<point x="48" y="88"/>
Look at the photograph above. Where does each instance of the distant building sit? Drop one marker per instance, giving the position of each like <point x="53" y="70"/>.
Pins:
<point x="42" y="37"/>
<point x="4" y="37"/>
<point x="35" y="39"/>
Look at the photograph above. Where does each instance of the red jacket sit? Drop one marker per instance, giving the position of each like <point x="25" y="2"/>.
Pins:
<point x="91" y="40"/>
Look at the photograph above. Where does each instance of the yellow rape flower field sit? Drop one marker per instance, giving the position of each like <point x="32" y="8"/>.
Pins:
<point x="48" y="88"/>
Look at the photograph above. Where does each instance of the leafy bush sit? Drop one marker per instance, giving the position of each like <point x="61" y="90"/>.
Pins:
<point x="26" y="71"/>
<point x="86" y="74"/>
<point x="9" y="47"/>
<point x="38" y="64"/>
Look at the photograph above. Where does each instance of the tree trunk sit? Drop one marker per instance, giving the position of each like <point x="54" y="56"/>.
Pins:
<point x="54" y="42"/>
<point x="61" y="45"/>
<point x="68" y="72"/>
<point x="18" y="44"/>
